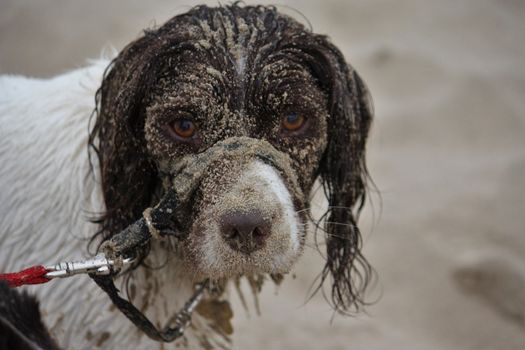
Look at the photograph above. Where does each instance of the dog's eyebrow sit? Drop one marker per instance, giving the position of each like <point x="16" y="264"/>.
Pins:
<point x="285" y="69"/>
<point x="188" y="76"/>
<point x="167" y="110"/>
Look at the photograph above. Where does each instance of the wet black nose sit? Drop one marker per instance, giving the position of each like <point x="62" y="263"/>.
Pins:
<point x="245" y="231"/>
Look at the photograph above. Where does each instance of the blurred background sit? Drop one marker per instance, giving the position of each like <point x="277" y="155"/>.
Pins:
<point x="447" y="152"/>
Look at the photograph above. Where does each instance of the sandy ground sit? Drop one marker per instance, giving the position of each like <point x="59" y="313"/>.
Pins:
<point x="447" y="153"/>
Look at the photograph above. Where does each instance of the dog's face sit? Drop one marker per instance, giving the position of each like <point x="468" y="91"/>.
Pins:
<point x="244" y="216"/>
<point x="238" y="73"/>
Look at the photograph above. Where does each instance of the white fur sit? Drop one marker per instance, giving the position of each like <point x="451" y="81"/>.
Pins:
<point x="283" y="246"/>
<point x="269" y="176"/>
<point x="48" y="195"/>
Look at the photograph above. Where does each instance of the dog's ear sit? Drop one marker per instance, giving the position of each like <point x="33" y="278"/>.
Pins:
<point x="344" y="175"/>
<point x="128" y="176"/>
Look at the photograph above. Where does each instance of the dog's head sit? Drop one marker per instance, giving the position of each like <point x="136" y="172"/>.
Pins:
<point x="247" y="76"/>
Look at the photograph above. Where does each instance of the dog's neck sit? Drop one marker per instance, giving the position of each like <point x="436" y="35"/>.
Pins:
<point x="162" y="286"/>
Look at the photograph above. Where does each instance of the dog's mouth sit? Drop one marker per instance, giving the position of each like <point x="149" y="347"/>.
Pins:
<point x="241" y="192"/>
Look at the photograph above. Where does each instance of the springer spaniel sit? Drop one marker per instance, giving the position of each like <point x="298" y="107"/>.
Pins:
<point x="279" y="107"/>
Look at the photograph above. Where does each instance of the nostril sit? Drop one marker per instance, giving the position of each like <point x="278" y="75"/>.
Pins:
<point x="259" y="233"/>
<point x="230" y="233"/>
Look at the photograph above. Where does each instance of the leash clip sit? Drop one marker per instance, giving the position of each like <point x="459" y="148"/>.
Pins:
<point x="99" y="265"/>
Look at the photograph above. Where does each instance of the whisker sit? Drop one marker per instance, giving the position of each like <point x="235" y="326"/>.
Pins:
<point x="316" y="248"/>
<point x="330" y="207"/>
<point x="338" y="223"/>
<point x="302" y="210"/>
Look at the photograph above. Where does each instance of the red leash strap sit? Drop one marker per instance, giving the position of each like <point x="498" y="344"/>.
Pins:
<point x="98" y="265"/>
<point x="32" y="275"/>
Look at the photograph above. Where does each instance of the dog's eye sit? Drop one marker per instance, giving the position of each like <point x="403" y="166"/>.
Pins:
<point x="183" y="128"/>
<point x="293" y="121"/>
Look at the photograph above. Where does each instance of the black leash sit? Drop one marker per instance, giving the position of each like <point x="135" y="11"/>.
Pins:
<point x="167" y="334"/>
<point x="155" y="223"/>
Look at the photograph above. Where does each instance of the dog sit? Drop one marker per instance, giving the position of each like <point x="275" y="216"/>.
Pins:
<point x="85" y="153"/>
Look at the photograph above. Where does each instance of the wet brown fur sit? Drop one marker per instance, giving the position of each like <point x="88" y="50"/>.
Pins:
<point x="193" y="65"/>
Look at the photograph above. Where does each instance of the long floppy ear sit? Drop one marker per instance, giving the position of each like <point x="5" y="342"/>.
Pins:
<point x="344" y="175"/>
<point x="128" y="177"/>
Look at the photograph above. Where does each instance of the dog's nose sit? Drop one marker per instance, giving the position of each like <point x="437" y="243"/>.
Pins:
<point x="245" y="231"/>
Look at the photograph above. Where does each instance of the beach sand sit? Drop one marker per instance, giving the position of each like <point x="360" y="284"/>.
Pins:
<point x="447" y="152"/>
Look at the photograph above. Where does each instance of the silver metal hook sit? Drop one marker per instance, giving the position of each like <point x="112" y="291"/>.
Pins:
<point x="99" y="265"/>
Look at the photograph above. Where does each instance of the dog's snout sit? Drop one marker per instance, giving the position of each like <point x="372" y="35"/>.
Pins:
<point x="245" y="231"/>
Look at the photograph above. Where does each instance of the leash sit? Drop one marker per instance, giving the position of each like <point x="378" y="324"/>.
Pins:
<point x="118" y="252"/>
<point x="99" y="265"/>
<point x="182" y="319"/>
<point x="101" y="270"/>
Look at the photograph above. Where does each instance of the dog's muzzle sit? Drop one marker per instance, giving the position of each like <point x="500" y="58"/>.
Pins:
<point x="182" y="177"/>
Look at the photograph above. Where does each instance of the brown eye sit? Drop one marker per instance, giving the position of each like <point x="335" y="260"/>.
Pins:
<point x="183" y="128"/>
<point x="293" y="121"/>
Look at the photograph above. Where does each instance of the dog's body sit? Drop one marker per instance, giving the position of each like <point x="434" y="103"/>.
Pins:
<point x="265" y="72"/>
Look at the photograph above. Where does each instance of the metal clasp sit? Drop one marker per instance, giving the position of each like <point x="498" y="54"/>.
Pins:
<point x="99" y="265"/>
